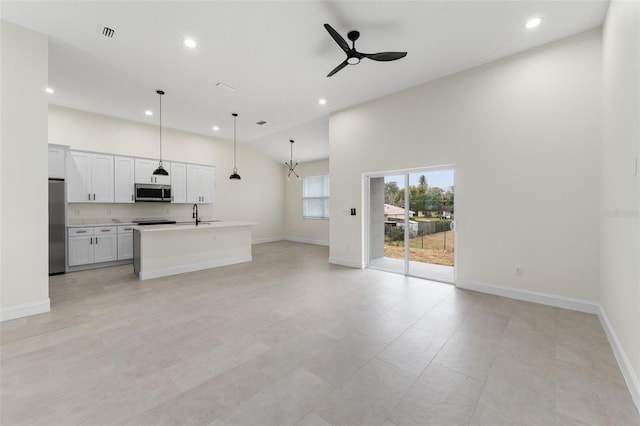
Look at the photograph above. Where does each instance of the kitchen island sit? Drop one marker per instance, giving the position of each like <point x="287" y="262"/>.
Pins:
<point x="159" y="251"/>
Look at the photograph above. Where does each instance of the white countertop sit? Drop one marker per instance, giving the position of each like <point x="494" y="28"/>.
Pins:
<point x="203" y="226"/>
<point x="83" y="223"/>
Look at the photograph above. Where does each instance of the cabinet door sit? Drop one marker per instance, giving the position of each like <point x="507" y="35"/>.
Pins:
<point x="78" y="177"/>
<point x="123" y="179"/>
<point x="125" y="246"/>
<point x="56" y="162"/>
<point x="80" y="250"/>
<point x="178" y="176"/>
<point x="193" y="188"/>
<point x="144" y="170"/>
<point x="205" y="179"/>
<point x="102" y="178"/>
<point x="105" y="247"/>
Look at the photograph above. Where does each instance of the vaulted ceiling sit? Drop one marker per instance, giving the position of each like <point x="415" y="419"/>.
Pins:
<point x="276" y="54"/>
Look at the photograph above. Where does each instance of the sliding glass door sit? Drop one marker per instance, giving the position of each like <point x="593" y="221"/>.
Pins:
<point x="411" y="223"/>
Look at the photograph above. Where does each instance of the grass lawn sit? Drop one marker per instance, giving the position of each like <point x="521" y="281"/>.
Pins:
<point x="433" y="251"/>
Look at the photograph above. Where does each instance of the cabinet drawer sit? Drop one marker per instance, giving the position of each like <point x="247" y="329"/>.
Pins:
<point x="125" y="229"/>
<point x="105" y="230"/>
<point x="79" y="232"/>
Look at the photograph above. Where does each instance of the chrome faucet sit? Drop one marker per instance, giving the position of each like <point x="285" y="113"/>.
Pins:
<point x="195" y="214"/>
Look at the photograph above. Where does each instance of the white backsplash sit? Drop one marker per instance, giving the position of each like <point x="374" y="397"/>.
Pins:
<point x="81" y="213"/>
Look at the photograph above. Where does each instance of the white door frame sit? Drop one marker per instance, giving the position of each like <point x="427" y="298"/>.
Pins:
<point x="366" y="184"/>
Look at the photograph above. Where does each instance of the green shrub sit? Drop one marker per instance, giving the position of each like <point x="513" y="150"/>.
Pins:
<point x="396" y="233"/>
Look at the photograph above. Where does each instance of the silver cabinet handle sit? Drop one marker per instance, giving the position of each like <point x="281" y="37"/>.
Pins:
<point x="96" y="240"/>
<point x="89" y="197"/>
<point x="131" y="197"/>
<point x="105" y="230"/>
<point x="94" y="196"/>
<point x="172" y="198"/>
<point x="81" y="232"/>
<point x="91" y="242"/>
<point x="128" y="229"/>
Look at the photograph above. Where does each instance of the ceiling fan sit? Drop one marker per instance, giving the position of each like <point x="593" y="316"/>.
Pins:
<point x="353" y="56"/>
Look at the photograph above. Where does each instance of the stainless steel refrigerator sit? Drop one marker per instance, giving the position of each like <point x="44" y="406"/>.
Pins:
<point x="57" y="237"/>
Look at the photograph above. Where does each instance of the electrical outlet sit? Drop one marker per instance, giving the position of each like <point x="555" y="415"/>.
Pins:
<point x="518" y="271"/>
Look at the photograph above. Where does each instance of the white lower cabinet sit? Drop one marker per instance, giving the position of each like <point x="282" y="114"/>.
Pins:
<point x="80" y="246"/>
<point x="125" y="242"/>
<point x="92" y="245"/>
<point x="105" y="245"/>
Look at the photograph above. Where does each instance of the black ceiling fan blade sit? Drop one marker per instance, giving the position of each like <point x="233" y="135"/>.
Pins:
<point x="338" y="68"/>
<point x="337" y="37"/>
<point x="385" y="56"/>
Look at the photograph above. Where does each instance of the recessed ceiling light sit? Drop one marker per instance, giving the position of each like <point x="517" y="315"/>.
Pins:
<point x="190" y="43"/>
<point x="49" y="90"/>
<point x="533" y="22"/>
<point x="148" y="112"/>
<point x="216" y="128"/>
<point x="322" y="101"/>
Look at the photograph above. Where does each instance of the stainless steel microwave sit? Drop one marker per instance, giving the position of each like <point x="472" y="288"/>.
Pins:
<point x="151" y="192"/>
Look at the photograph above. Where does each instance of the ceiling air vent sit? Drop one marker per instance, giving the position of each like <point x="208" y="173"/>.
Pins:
<point x="107" y="32"/>
<point x="261" y="122"/>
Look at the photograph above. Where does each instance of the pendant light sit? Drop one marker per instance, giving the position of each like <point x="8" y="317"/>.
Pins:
<point x="160" y="171"/>
<point x="234" y="175"/>
<point x="290" y="165"/>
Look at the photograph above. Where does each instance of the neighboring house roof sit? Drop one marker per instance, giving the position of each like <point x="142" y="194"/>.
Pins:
<point x="391" y="210"/>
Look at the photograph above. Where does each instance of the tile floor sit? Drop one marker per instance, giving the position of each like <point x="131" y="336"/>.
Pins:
<point x="291" y="340"/>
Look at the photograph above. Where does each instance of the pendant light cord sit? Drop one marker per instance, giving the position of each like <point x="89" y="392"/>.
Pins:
<point x="235" y="118"/>
<point x="160" y="129"/>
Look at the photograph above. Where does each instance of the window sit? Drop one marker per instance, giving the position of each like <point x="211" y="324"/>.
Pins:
<point x="315" y="197"/>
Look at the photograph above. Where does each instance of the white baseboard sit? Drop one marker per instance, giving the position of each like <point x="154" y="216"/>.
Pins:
<point x="346" y="262"/>
<point x="147" y="275"/>
<point x="267" y="240"/>
<point x="532" y="296"/>
<point x="307" y="241"/>
<point x="630" y="377"/>
<point x="25" y="310"/>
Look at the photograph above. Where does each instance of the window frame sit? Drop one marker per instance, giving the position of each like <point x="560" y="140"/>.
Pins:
<point x="325" y="197"/>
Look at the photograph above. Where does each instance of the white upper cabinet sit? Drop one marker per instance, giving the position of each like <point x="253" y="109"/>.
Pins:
<point x="206" y="184"/>
<point x="178" y="175"/>
<point x="57" y="155"/>
<point x="102" y="178"/>
<point x="200" y="183"/>
<point x="144" y="171"/>
<point x="78" y="177"/>
<point x="124" y="179"/>
<point x="89" y="177"/>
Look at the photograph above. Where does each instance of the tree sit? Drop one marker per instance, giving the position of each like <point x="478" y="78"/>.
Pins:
<point x="423" y="181"/>
<point x="434" y="199"/>
<point x="399" y="198"/>
<point x="390" y="192"/>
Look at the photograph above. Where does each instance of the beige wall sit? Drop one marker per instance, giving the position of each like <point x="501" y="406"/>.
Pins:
<point x="24" y="284"/>
<point x="620" y="191"/>
<point x="296" y="228"/>
<point x="258" y="197"/>
<point x="524" y="134"/>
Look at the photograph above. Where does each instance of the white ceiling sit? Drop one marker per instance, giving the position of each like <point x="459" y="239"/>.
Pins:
<point x="276" y="54"/>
